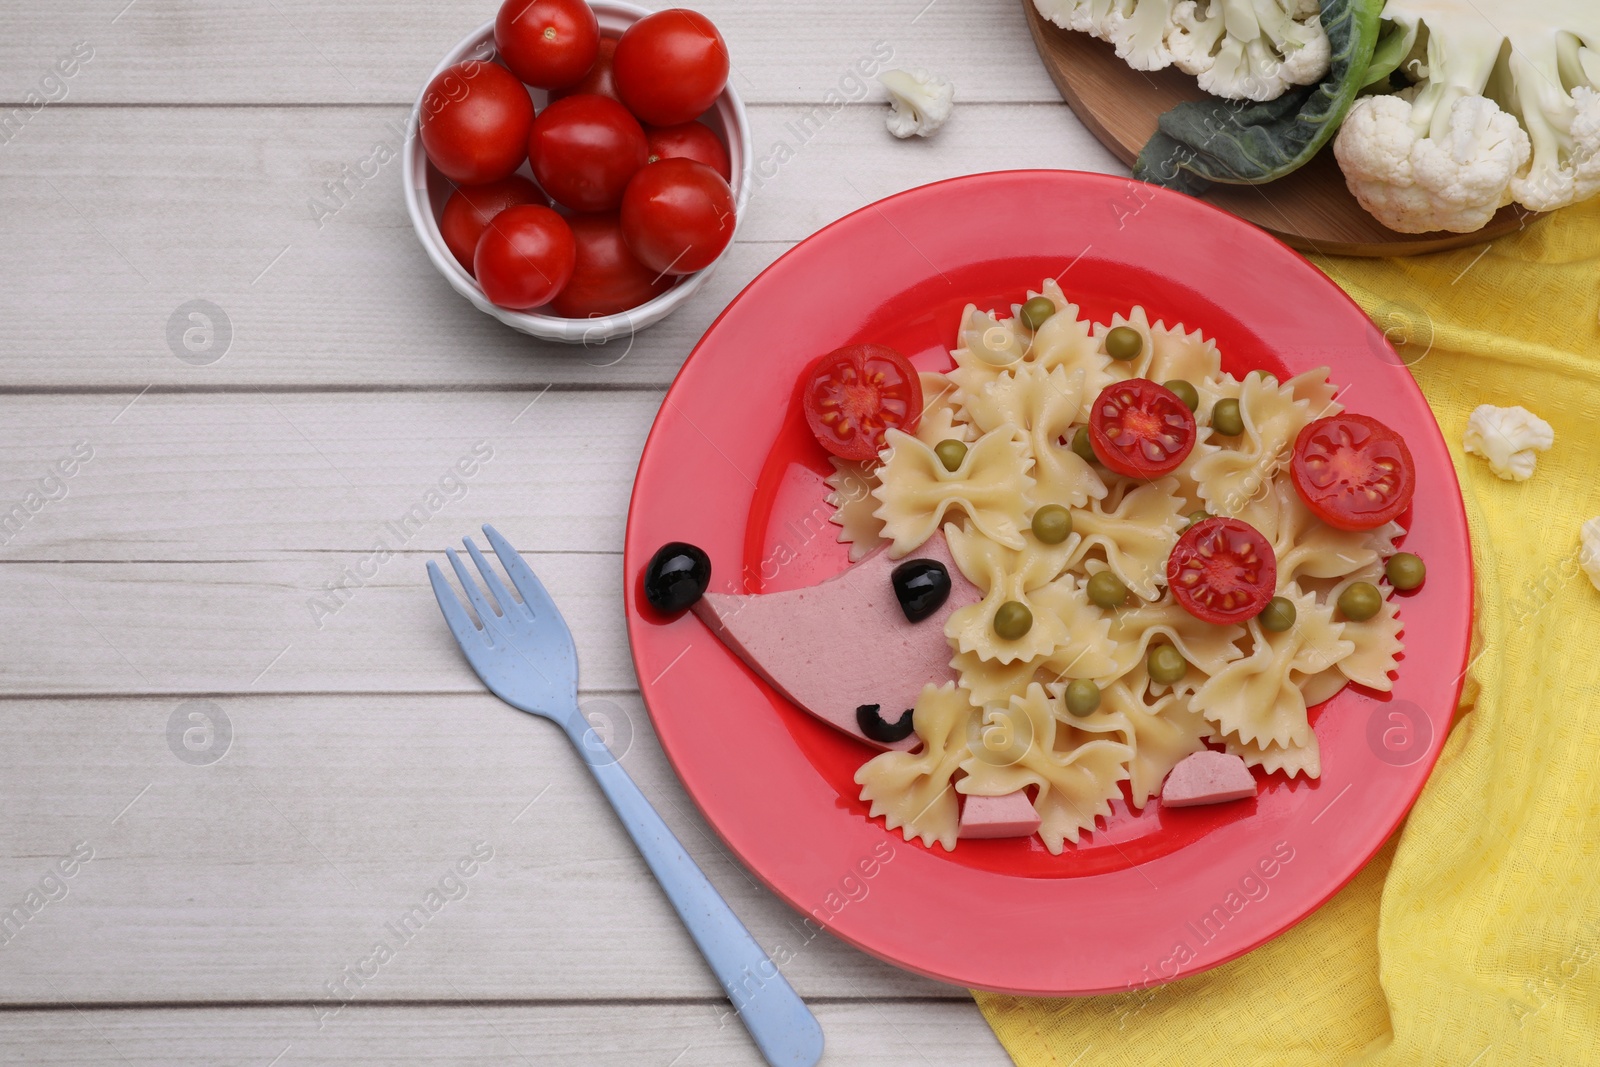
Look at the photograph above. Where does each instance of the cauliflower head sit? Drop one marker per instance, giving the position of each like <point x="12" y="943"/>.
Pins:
<point x="1237" y="49"/>
<point x="1508" y="438"/>
<point x="1503" y="109"/>
<point x="920" y="101"/>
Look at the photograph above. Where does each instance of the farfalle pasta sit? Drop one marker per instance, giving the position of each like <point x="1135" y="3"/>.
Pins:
<point x="1070" y="561"/>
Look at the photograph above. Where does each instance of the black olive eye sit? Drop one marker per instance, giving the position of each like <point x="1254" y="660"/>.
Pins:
<point x="921" y="586"/>
<point x="873" y="725"/>
<point x="676" y="577"/>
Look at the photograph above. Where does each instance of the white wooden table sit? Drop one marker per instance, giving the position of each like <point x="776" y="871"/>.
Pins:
<point x="352" y="758"/>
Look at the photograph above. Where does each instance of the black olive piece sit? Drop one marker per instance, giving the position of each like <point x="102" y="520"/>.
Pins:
<point x="922" y="586"/>
<point x="876" y="727"/>
<point x="676" y="577"/>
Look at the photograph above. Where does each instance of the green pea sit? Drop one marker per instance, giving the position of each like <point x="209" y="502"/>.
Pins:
<point x="1278" y="615"/>
<point x="1107" y="591"/>
<point x="1012" y="620"/>
<point x="1036" y="311"/>
<point x="1083" y="446"/>
<point x="1225" y="418"/>
<point x="1166" y="665"/>
<point x="1082" y="697"/>
<point x="1052" y="524"/>
<point x="1124" y="343"/>
<point x="1184" y="392"/>
<point x="1405" y="571"/>
<point x="1194" y="517"/>
<point x="1360" y="601"/>
<point x="951" y="453"/>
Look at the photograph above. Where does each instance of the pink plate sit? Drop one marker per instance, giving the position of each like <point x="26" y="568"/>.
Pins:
<point x="730" y="466"/>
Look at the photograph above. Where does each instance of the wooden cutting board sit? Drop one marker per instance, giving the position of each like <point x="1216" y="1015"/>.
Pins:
<point x="1310" y="210"/>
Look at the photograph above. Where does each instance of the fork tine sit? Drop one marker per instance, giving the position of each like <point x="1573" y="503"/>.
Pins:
<point x="455" y="616"/>
<point x="486" y="613"/>
<point x="491" y="578"/>
<point x="522" y="576"/>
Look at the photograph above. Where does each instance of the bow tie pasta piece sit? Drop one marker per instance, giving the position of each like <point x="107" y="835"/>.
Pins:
<point x="915" y="489"/>
<point x="1256" y="697"/>
<point x="986" y="343"/>
<point x="1305" y="546"/>
<point x="1315" y="389"/>
<point x="851" y="485"/>
<point x="1134" y="528"/>
<point x="1207" y="647"/>
<point x="1166" y="352"/>
<point x="1005" y="575"/>
<point x="1234" y="476"/>
<point x="1292" y="759"/>
<point x="1086" y="650"/>
<point x="1377" y="640"/>
<point x="1188" y="484"/>
<point x="986" y="346"/>
<point x="1076" y="785"/>
<point x="1160" y="733"/>
<point x="942" y="418"/>
<point x="1044" y="404"/>
<point x="913" y="791"/>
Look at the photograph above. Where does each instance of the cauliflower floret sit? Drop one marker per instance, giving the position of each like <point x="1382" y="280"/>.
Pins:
<point x="1589" y="550"/>
<point x="1414" y="180"/>
<point x="1566" y="162"/>
<point x="1508" y="439"/>
<point x="1138" y="28"/>
<point x="920" y="101"/>
<point x="1250" y="49"/>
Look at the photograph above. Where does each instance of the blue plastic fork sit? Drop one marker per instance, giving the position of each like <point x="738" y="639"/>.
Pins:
<point x="524" y="653"/>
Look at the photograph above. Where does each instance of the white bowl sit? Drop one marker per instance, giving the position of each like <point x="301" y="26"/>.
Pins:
<point x="427" y="190"/>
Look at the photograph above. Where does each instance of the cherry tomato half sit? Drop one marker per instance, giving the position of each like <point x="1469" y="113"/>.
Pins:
<point x="671" y="66"/>
<point x="689" y="140"/>
<point x="475" y="121"/>
<point x="606" y="278"/>
<point x="856" y="394"/>
<point x="549" y="44"/>
<point x="1353" y="472"/>
<point x="677" y="216"/>
<point x="525" y="256"/>
<point x="1223" y="571"/>
<point x="600" y="79"/>
<point x="584" y="149"/>
<point x="468" y="211"/>
<point x="1141" y="429"/>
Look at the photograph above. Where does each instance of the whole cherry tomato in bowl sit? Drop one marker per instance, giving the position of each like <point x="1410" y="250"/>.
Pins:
<point x="671" y="66"/>
<point x="606" y="278"/>
<point x="468" y="211"/>
<point x="475" y="121"/>
<point x="550" y="44"/>
<point x="584" y="149"/>
<point x="689" y="140"/>
<point x="677" y="216"/>
<point x="600" y="79"/>
<point x="525" y="257"/>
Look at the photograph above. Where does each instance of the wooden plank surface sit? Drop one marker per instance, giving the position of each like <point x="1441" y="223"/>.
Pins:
<point x="105" y="235"/>
<point x="880" y="1033"/>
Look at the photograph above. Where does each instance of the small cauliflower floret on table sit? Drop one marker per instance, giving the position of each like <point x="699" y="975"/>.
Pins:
<point x="1503" y="109"/>
<point x="920" y="102"/>
<point x="1238" y="49"/>
<point x="1508" y="438"/>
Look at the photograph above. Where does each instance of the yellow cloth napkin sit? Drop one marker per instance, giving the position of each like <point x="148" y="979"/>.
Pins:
<point x="1473" y="938"/>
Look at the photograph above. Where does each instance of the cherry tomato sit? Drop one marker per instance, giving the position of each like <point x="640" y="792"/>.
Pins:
<point x="468" y="211"/>
<point x="475" y="120"/>
<point x="1222" y="570"/>
<point x="677" y="216"/>
<point x="599" y="80"/>
<point x="525" y="256"/>
<point x="1141" y="429"/>
<point x="549" y="44"/>
<point x="1353" y="472"/>
<point x="671" y="66"/>
<point x="854" y="395"/>
<point x="584" y="149"/>
<point x="689" y="140"/>
<point x="606" y="278"/>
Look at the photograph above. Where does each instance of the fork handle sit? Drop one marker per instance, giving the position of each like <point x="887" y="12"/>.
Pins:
<point x="784" y="1029"/>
